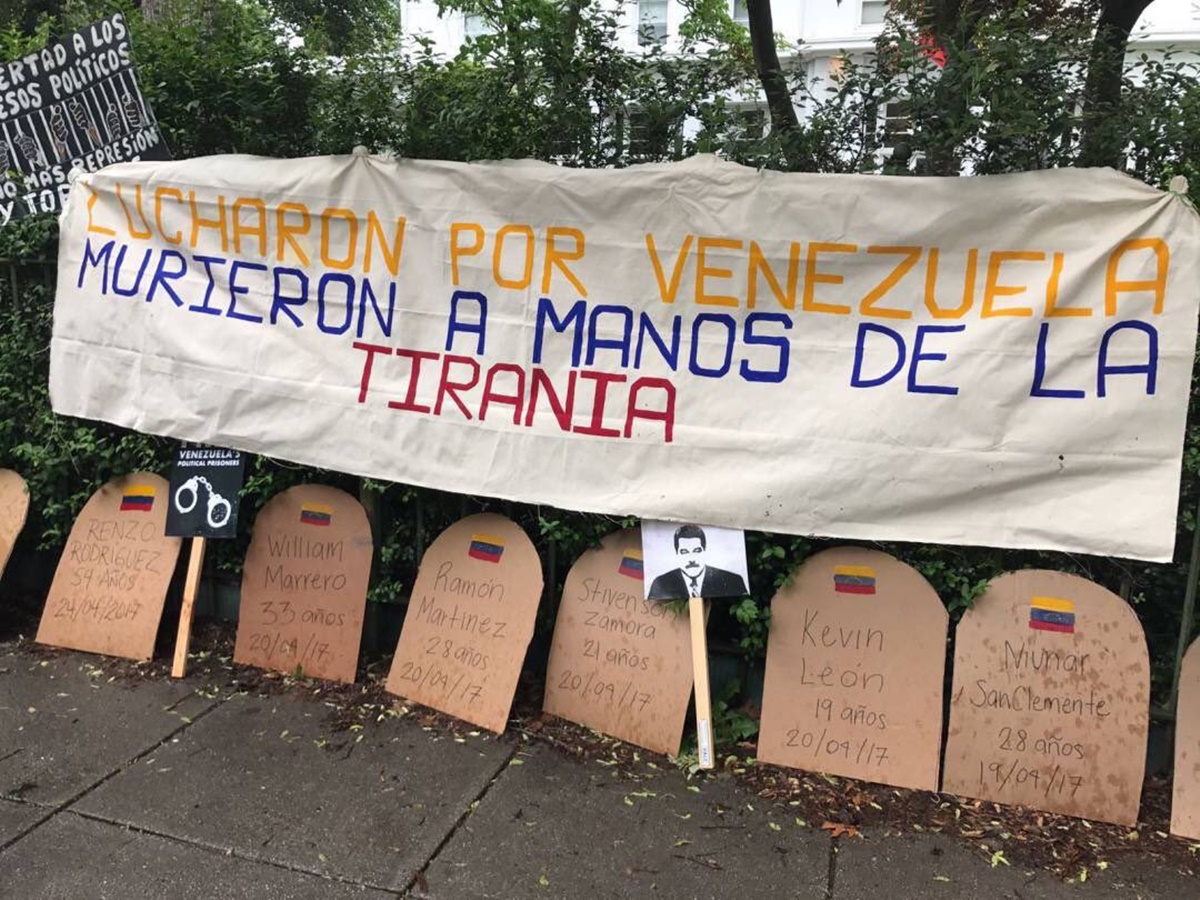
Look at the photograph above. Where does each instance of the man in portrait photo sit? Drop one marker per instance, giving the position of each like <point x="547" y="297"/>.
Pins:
<point x="695" y="577"/>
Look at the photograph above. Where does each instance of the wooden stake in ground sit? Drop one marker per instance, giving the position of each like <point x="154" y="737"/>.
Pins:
<point x="191" y="587"/>
<point x="202" y="504"/>
<point x="704" y="736"/>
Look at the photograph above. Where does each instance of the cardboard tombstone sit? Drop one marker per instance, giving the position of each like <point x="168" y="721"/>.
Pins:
<point x="1051" y="699"/>
<point x="108" y="591"/>
<point x="1185" y="799"/>
<point x="469" y="621"/>
<point x="619" y="663"/>
<point x="14" y="506"/>
<point x="304" y="585"/>
<point x="856" y="661"/>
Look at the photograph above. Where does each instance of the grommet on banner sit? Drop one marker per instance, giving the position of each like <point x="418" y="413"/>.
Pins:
<point x="360" y="150"/>
<point x="1178" y="185"/>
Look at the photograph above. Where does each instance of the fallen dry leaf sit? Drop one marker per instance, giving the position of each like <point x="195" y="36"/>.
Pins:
<point x="840" y="830"/>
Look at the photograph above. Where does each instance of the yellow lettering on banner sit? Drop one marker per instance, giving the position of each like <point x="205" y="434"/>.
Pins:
<point x="559" y="258"/>
<point x="350" y="217"/>
<point x="457" y="249"/>
<point x="92" y="227"/>
<point x="145" y="234"/>
<point x="1053" y="310"/>
<point x="812" y="277"/>
<point x="219" y="224"/>
<point x="1114" y="286"/>
<point x="286" y="234"/>
<point x="516" y="284"/>
<point x="705" y="271"/>
<point x="391" y="255"/>
<point x="758" y="263"/>
<point x="259" y="230"/>
<point x="867" y="307"/>
<point x="931" y="279"/>
<point x="159" y="193"/>
<point x="993" y="288"/>
<point x="665" y="291"/>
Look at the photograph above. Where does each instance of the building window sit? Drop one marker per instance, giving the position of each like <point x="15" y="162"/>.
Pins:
<point x="652" y="22"/>
<point x="741" y="13"/>
<point x="747" y="125"/>
<point x="897" y="120"/>
<point x="653" y="134"/>
<point x="475" y="25"/>
<point x="873" y="12"/>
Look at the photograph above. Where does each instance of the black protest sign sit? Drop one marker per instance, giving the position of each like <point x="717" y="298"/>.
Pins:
<point x="205" y="483"/>
<point x="73" y="104"/>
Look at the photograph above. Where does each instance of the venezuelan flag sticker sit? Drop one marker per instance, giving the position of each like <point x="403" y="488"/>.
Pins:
<point x="316" y="514"/>
<point x="854" y="579"/>
<point x="138" y="498"/>
<point x="486" y="547"/>
<point x="1052" y="614"/>
<point x="631" y="564"/>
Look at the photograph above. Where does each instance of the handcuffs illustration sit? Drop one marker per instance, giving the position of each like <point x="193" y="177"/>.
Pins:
<point x="219" y="508"/>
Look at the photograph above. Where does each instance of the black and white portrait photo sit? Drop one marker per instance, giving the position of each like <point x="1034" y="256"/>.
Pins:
<point x="683" y="561"/>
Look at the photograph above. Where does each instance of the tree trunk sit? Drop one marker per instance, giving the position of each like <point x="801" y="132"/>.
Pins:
<point x="1102" y="138"/>
<point x="784" y="121"/>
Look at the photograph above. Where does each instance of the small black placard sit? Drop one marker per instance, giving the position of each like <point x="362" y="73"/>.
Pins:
<point x="73" y="104"/>
<point x="205" y="483"/>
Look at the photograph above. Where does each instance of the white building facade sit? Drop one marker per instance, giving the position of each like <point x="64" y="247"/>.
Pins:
<point x="824" y="29"/>
<point x="825" y="32"/>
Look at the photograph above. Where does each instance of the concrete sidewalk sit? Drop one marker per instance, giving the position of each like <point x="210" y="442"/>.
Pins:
<point x="129" y="788"/>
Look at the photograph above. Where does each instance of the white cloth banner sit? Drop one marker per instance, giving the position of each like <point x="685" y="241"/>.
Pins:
<point x="1002" y="361"/>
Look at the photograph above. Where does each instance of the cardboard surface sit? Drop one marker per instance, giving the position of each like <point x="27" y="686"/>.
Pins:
<point x="469" y="621"/>
<point x="304" y="585"/>
<point x="1051" y="699"/>
<point x="619" y="663"/>
<point x="14" y="506"/>
<point x="108" y="591"/>
<point x="855" y="671"/>
<point x="1185" y="799"/>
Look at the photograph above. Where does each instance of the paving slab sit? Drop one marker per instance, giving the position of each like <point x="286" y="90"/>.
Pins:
<point x="553" y="827"/>
<point x="1143" y="880"/>
<point x="267" y="778"/>
<point x="71" y="857"/>
<point x="63" y="729"/>
<point x="16" y="817"/>
<point x="936" y="866"/>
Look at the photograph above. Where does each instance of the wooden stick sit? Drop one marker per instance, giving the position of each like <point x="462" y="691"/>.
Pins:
<point x="191" y="587"/>
<point x="704" y="737"/>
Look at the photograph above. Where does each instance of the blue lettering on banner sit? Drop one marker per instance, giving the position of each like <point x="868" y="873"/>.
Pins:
<point x="726" y="321"/>
<point x="780" y="343"/>
<point x="865" y="328"/>
<point x="1149" y="368"/>
<point x="1039" y="372"/>
<point x="478" y="328"/>
<point x="546" y="314"/>
<point x="918" y="357"/>
<point x="595" y="343"/>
